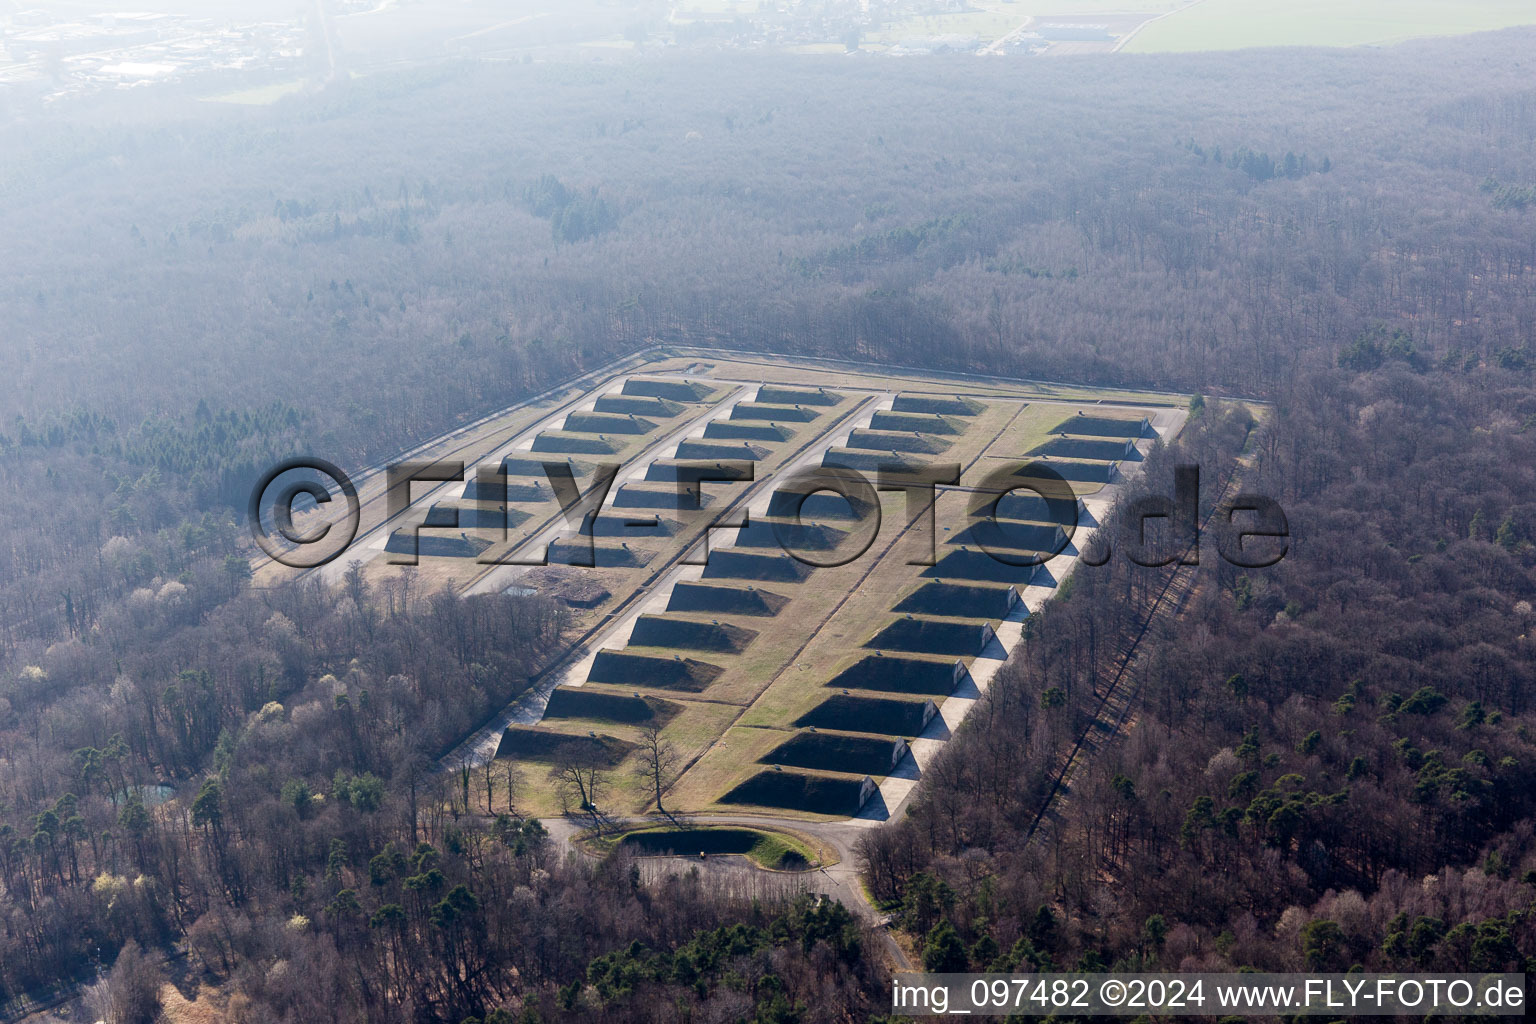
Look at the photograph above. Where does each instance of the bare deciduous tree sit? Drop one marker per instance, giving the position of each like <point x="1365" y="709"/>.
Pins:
<point x="658" y="762"/>
<point x="131" y="993"/>
<point x="574" y="767"/>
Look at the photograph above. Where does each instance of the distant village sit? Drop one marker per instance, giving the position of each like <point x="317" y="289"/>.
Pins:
<point x="52" y="56"/>
<point x="43" y="53"/>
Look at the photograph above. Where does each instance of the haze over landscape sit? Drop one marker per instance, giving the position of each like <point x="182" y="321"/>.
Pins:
<point x="831" y="425"/>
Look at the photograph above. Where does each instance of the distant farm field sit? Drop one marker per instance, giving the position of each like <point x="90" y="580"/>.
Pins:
<point x="992" y="19"/>
<point x="1236" y="24"/>
<point x="260" y="96"/>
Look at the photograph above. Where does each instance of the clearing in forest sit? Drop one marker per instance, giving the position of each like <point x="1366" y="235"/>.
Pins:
<point x="799" y="668"/>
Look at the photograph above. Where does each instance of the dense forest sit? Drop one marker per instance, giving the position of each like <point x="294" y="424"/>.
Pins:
<point x="315" y="858"/>
<point x="1330" y="761"/>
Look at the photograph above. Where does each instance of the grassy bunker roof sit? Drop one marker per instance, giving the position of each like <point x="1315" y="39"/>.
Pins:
<point x="729" y="563"/>
<point x="429" y="545"/>
<point x="536" y="466"/>
<point x="1101" y="449"/>
<point x="628" y="668"/>
<point x="1082" y="472"/>
<point x="740" y="430"/>
<point x="781" y="394"/>
<point x="660" y="408"/>
<point x="933" y="636"/>
<point x="1014" y="533"/>
<point x="866" y="461"/>
<point x="1094" y="425"/>
<point x="606" y="706"/>
<point x="630" y="526"/>
<point x="974" y="565"/>
<point x="475" y="517"/>
<point x="898" y="441"/>
<point x="528" y="743"/>
<point x="666" y="471"/>
<point x="944" y="405"/>
<point x="923" y="422"/>
<point x="688" y="596"/>
<point x="789" y="535"/>
<point x="575" y="551"/>
<point x="652" y="494"/>
<point x="931" y="677"/>
<point x="839" y="752"/>
<point x="1063" y="510"/>
<point x="788" y="502"/>
<point x="854" y="713"/>
<point x="584" y="444"/>
<point x="500" y="488"/>
<point x="674" y="390"/>
<point x="802" y="791"/>
<point x="773" y="413"/>
<point x="973" y="600"/>
<point x="689" y="634"/>
<point x="608" y="423"/>
<point x="694" y="449"/>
